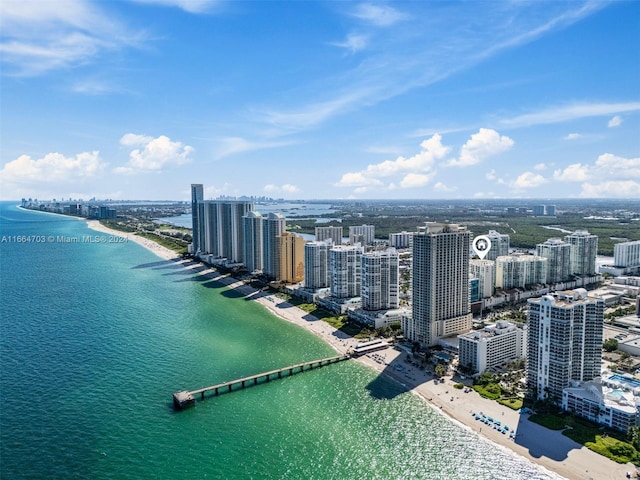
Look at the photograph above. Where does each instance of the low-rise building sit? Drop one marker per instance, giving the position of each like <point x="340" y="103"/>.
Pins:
<point x="613" y="401"/>
<point x="378" y="318"/>
<point x="492" y="346"/>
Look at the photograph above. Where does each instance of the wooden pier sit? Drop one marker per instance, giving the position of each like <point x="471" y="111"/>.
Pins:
<point x="187" y="398"/>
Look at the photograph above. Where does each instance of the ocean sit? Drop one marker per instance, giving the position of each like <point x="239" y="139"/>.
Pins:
<point x="96" y="335"/>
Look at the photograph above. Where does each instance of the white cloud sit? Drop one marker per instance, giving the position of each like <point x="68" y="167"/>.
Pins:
<point x="413" y="169"/>
<point x="485" y="143"/>
<point x="413" y="180"/>
<point x="540" y="166"/>
<point x="379" y="15"/>
<point x="573" y="136"/>
<point x="53" y="167"/>
<point x="575" y="172"/>
<point x="191" y="6"/>
<point x="570" y="112"/>
<point x="354" y="43"/>
<point x="612" y="166"/>
<point x="42" y="36"/>
<point x="608" y="176"/>
<point x="154" y="154"/>
<point x="441" y="187"/>
<point x="234" y="145"/>
<point x="528" y="180"/>
<point x="410" y="54"/>
<point x="286" y="188"/>
<point x="357" y="179"/>
<point x="616" y="121"/>
<point x="611" y="189"/>
<point x="312" y="114"/>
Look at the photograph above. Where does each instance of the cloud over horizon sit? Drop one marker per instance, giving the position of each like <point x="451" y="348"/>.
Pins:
<point x="153" y="155"/>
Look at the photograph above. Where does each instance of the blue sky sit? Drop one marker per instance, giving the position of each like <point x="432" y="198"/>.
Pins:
<point x="320" y="100"/>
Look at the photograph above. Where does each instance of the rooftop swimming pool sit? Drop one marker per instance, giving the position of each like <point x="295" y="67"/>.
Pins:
<point x="625" y="381"/>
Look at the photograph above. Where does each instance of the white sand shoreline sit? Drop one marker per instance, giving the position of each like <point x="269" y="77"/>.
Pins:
<point x="533" y="442"/>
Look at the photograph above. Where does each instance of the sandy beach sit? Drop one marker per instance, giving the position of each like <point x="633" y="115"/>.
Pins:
<point x="548" y="448"/>
<point x="159" y="250"/>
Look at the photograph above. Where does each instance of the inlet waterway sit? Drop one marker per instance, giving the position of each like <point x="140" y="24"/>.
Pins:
<point x="95" y="336"/>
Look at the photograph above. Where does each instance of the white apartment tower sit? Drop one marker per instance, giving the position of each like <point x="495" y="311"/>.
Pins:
<point x="626" y="254"/>
<point x="500" y="244"/>
<point x="558" y="255"/>
<point x="253" y="241"/>
<point x="485" y="272"/>
<point x="316" y="265"/>
<point x="362" y="234"/>
<point x="345" y="265"/>
<point x="564" y="341"/>
<point x="401" y="240"/>
<point x="273" y="226"/>
<point x="332" y="233"/>
<point x="520" y="270"/>
<point x="197" y="217"/>
<point x="584" y="248"/>
<point x="440" y="284"/>
<point x="380" y="280"/>
<point x="491" y="346"/>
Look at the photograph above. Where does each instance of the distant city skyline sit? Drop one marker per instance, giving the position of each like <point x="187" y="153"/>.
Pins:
<point x="139" y="99"/>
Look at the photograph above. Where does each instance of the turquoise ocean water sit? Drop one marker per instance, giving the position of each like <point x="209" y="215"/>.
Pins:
<point x="95" y="337"/>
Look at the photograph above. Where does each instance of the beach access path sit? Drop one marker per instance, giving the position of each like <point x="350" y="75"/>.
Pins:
<point x="545" y="447"/>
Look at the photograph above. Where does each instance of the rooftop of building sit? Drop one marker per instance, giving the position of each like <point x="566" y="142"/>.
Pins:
<point x="616" y="391"/>
<point x="434" y="228"/>
<point x="566" y="298"/>
<point x="499" y="328"/>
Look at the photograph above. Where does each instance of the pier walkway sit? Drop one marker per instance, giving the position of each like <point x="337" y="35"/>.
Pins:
<point x="187" y="398"/>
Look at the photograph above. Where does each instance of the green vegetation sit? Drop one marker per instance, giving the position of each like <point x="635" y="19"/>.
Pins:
<point x="549" y="420"/>
<point x="610" y="344"/>
<point x="620" y="312"/>
<point x="459" y="386"/>
<point x="118" y="225"/>
<point x="488" y="386"/>
<point x="608" y="443"/>
<point x="492" y="391"/>
<point x="178" y="246"/>
<point x="514" y="403"/>
<point x="340" y="322"/>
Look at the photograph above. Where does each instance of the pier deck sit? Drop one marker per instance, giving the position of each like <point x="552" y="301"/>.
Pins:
<point x="186" y="398"/>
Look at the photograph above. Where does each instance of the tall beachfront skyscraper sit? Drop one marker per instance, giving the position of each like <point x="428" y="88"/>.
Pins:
<point x="558" y="255"/>
<point x="440" y="284"/>
<point x="380" y="280"/>
<point x="316" y="265"/>
<point x="224" y="231"/>
<point x="291" y="255"/>
<point x="564" y="341"/>
<point x="253" y="241"/>
<point x="197" y="216"/>
<point x="273" y="226"/>
<point x="584" y="249"/>
<point x="345" y="265"/>
<point x="333" y="233"/>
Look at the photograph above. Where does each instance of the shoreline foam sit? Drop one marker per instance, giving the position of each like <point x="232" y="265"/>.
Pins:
<point x="579" y="463"/>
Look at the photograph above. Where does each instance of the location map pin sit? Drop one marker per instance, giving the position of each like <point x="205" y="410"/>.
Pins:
<point x="481" y="245"/>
